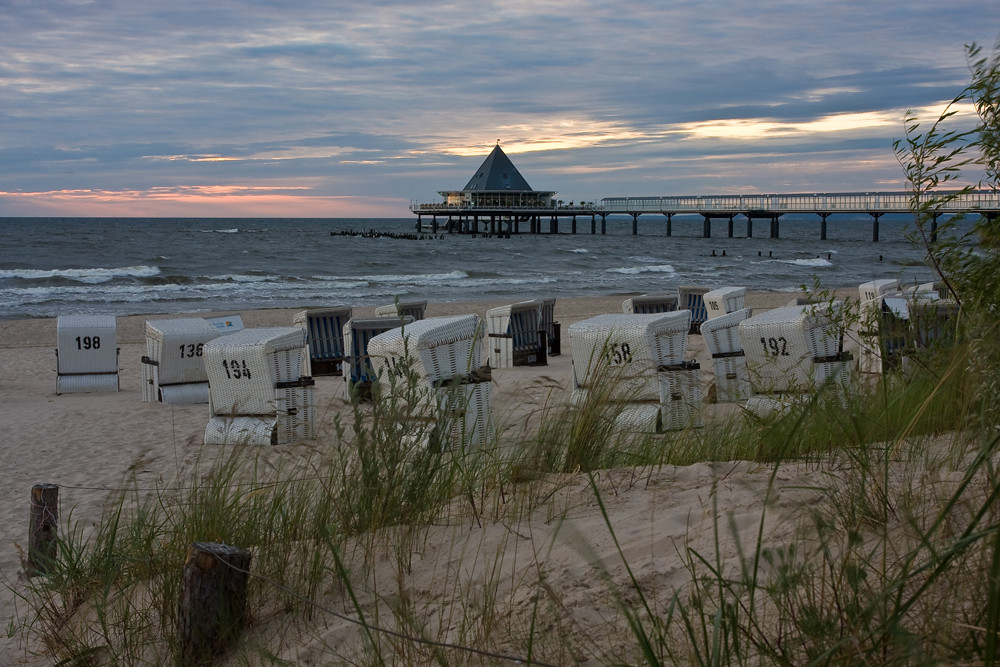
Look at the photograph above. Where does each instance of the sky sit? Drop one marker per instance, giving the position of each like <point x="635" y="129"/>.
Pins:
<point x="327" y="108"/>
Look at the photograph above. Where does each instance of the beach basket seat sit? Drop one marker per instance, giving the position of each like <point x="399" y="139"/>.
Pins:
<point x="722" y="338"/>
<point x="794" y="348"/>
<point x="173" y="368"/>
<point x="325" y="335"/>
<point x="257" y="393"/>
<point x="724" y="300"/>
<point x="435" y="364"/>
<point x="692" y="297"/>
<point x="637" y="359"/>
<point x="553" y="330"/>
<point x="872" y="290"/>
<point x="515" y="335"/>
<point x="357" y="369"/>
<point x="86" y="354"/>
<point x="646" y="304"/>
<point x="414" y="309"/>
<point x="626" y="417"/>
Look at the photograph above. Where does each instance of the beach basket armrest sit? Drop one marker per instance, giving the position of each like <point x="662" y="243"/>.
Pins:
<point x="683" y="366"/>
<point x="304" y="381"/>
<point x="840" y="356"/>
<point x="727" y="355"/>
<point x="149" y="362"/>
<point x="473" y="377"/>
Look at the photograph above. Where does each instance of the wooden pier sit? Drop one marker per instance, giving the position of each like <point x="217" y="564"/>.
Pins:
<point x="503" y="220"/>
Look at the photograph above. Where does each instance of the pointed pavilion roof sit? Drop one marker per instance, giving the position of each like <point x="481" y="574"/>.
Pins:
<point x="498" y="173"/>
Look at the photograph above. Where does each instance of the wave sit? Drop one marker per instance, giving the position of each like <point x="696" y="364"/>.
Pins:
<point x="579" y="250"/>
<point x="88" y="276"/>
<point x="817" y="262"/>
<point x="632" y="270"/>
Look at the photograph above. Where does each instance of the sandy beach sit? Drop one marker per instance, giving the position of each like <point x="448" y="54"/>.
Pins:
<point x="92" y="444"/>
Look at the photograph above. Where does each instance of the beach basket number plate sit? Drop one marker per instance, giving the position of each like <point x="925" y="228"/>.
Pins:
<point x="618" y="355"/>
<point x="192" y="350"/>
<point x="776" y="347"/>
<point x="88" y="342"/>
<point x="236" y="369"/>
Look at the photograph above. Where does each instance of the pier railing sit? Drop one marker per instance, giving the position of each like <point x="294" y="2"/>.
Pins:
<point x="842" y="202"/>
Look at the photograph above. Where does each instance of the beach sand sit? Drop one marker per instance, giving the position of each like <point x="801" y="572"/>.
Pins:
<point x="90" y="444"/>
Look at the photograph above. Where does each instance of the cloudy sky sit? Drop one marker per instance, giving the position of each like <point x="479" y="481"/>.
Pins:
<point x="328" y="108"/>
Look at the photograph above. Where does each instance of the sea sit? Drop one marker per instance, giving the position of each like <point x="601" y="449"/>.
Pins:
<point x="133" y="266"/>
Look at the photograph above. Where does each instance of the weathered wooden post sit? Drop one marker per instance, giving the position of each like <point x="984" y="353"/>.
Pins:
<point x="212" y="611"/>
<point x="42" y="528"/>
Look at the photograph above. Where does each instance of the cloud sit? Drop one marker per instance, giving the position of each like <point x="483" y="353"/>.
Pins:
<point x="397" y="100"/>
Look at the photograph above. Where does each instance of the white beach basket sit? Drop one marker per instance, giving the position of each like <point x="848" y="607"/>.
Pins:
<point x="173" y="369"/>
<point x="724" y="300"/>
<point x="794" y="348"/>
<point x="86" y="354"/>
<point x="722" y="339"/>
<point x="258" y="394"/>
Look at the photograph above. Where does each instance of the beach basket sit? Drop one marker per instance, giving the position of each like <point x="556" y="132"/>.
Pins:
<point x="436" y="349"/>
<point x="884" y="333"/>
<point x="325" y="335"/>
<point x="173" y="369"/>
<point x="257" y="393"/>
<point x="646" y="304"/>
<point x="724" y="300"/>
<point x="722" y="338"/>
<point x="414" y="309"/>
<point x="628" y="351"/>
<point x="692" y="297"/>
<point x="515" y="335"/>
<point x="794" y="348"/>
<point x="86" y="354"/>
<point x="872" y="290"/>
<point x="357" y="370"/>
<point x="442" y="356"/>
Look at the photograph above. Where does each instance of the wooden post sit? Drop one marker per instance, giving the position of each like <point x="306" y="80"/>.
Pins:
<point x="212" y="609"/>
<point x="42" y="528"/>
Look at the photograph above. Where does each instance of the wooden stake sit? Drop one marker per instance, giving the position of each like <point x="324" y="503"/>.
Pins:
<point x="212" y="610"/>
<point x="42" y="528"/>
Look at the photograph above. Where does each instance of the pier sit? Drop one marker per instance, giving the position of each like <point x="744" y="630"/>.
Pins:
<point x="509" y="217"/>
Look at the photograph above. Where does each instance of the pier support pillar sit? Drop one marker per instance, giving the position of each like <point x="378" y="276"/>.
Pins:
<point x="934" y="227"/>
<point x="670" y="223"/>
<point x="706" y="230"/>
<point x="749" y="227"/>
<point x="434" y="224"/>
<point x="554" y="224"/>
<point x="875" y="217"/>
<point x="604" y="223"/>
<point x="822" y="226"/>
<point x="775" y="227"/>
<point x="573" y="227"/>
<point x="593" y="224"/>
<point x="635" y="224"/>
<point x="731" y="226"/>
<point x="493" y="224"/>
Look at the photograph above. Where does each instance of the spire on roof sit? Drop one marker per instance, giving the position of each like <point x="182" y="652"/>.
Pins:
<point x="497" y="173"/>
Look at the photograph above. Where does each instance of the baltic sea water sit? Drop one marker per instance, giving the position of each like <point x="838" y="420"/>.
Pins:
<point x="125" y="266"/>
